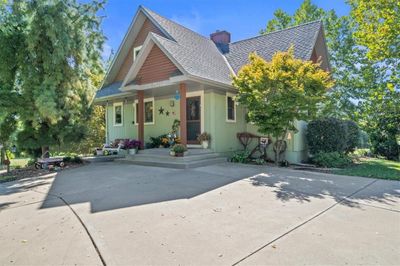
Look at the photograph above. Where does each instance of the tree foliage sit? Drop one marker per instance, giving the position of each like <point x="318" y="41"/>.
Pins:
<point x="51" y="50"/>
<point x="364" y="56"/>
<point x="378" y="27"/>
<point x="278" y="93"/>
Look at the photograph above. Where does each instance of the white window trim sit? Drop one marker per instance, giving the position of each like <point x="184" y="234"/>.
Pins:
<point x="122" y="114"/>
<point x="201" y="94"/>
<point x="145" y="101"/>
<point x="226" y="107"/>
<point x="135" y="50"/>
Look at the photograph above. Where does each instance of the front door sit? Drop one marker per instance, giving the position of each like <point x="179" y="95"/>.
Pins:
<point x="193" y="118"/>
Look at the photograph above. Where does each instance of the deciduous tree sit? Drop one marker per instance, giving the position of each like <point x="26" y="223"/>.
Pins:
<point x="278" y="93"/>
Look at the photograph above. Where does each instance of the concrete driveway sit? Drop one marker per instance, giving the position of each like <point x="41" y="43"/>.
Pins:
<point x="118" y="214"/>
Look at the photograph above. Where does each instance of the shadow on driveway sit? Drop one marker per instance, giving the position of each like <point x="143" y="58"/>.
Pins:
<point x="306" y="186"/>
<point x="109" y="186"/>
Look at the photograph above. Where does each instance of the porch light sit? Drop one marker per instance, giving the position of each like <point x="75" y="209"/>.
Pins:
<point x="289" y="136"/>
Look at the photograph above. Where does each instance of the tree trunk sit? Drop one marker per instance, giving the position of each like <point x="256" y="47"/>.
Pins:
<point x="9" y="162"/>
<point x="278" y="152"/>
<point x="45" y="152"/>
<point x="2" y="155"/>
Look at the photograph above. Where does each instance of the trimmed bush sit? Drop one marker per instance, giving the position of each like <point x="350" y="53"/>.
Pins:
<point x="332" y="135"/>
<point x="352" y="135"/>
<point x="332" y="160"/>
<point x="326" y="135"/>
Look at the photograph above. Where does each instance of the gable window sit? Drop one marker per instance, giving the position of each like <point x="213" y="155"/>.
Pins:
<point x="230" y="108"/>
<point x="118" y="114"/>
<point x="136" y="52"/>
<point x="148" y="111"/>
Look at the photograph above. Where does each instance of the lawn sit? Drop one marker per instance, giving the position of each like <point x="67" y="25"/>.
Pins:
<point x="372" y="167"/>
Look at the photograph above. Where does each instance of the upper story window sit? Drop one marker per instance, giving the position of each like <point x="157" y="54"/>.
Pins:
<point x="118" y="114"/>
<point x="136" y="52"/>
<point x="230" y="108"/>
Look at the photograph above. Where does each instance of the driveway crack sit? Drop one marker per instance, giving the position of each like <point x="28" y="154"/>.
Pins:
<point x="304" y="223"/>
<point x="83" y="225"/>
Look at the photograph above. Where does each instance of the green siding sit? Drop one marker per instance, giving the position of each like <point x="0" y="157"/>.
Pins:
<point x="223" y="133"/>
<point x="162" y="123"/>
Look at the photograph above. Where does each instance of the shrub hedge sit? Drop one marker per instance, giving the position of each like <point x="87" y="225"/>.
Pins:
<point x="332" y="159"/>
<point x="332" y="135"/>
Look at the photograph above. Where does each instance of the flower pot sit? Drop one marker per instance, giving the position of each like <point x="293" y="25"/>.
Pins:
<point x="204" y="143"/>
<point x="99" y="152"/>
<point x="172" y="153"/>
<point x="132" y="151"/>
<point x="178" y="154"/>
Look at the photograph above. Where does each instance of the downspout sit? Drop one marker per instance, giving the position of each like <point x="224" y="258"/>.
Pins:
<point x="106" y="114"/>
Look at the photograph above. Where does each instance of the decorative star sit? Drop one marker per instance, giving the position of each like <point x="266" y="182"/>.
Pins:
<point x="167" y="113"/>
<point x="161" y="111"/>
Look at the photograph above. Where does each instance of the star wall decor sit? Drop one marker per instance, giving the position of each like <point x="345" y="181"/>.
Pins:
<point x="167" y="113"/>
<point x="161" y="110"/>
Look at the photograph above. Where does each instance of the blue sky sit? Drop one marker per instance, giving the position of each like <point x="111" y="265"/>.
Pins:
<point x="243" y="19"/>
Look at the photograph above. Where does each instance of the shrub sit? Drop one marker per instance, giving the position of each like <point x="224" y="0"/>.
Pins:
<point x="73" y="159"/>
<point x="240" y="157"/>
<point x="352" y="135"/>
<point x="156" y="142"/>
<point x="326" y="135"/>
<point x="332" y="159"/>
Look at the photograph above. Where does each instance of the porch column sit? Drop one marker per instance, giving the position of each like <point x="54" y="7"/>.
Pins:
<point x="140" y="121"/>
<point x="182" y="91"/>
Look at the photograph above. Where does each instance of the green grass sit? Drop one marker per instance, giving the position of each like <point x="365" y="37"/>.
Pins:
<point x="372" y="167"/>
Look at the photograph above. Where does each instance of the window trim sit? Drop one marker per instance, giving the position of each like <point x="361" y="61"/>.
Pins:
<point x="122" y="114"/>
<point x="234" y="107"/>
<point x="137" y="48"/>
<point x="145" y="101"/>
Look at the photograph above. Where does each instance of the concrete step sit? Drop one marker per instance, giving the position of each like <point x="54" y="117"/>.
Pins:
<point x="176" y="164"/>
<point x="188" y="158"/>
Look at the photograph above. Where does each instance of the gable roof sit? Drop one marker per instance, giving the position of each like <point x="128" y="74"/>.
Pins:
<point x="302" y="37"/>
<point x="198" y="56"/>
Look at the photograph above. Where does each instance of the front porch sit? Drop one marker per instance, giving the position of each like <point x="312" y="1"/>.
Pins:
<point x="150" y="112"/>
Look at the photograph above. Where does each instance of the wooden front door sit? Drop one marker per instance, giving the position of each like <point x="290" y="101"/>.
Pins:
<point x="193" y="119"/>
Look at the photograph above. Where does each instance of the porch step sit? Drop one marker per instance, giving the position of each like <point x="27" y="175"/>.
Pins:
<point x="167" y="161"/>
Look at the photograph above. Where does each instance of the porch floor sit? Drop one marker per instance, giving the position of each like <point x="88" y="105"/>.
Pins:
<point x="160" y="157"/>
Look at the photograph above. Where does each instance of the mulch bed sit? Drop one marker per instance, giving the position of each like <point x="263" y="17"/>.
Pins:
<point x="31" y="171"/>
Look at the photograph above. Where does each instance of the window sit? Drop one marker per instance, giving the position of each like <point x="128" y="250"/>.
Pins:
<point x="136" y="51"/>
<point x="118" y="114"/>
<point x="148" y="111"/>
<point x="230" y="108"/>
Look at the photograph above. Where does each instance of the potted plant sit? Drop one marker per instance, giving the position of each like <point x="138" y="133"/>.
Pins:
<point x="132" y="146"/>
<point x="204" y="139"/>
<point x="99" y="151"/>
<point x="179" y="150"/>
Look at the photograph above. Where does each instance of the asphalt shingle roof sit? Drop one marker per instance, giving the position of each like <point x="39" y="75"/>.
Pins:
<point x="197" y="54"/>
<point x="200" y="57"/>
<point x="111" y="89"/>
<point x="302" y="37"/>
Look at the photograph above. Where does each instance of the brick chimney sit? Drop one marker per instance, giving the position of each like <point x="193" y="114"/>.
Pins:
<point x="221" y="37"/>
